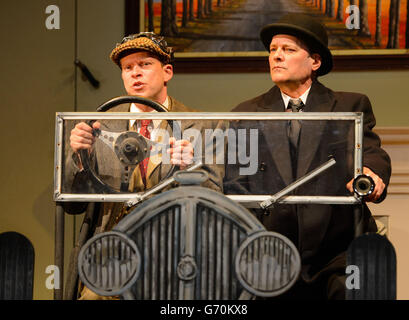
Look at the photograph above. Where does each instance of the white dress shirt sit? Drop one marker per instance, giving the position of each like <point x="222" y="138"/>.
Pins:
<point x="287" y="98"/>
<point x="154" y="125"/>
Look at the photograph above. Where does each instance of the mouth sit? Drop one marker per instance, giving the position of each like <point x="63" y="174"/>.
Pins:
<point x="138" y="85"/>
<point x="278" y="68"/>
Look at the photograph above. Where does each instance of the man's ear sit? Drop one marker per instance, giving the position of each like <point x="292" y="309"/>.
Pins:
<point x="167" y="72"/>
<point x="316" y="64"/>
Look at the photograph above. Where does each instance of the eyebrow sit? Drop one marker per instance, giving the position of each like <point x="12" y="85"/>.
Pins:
<point x="139" y="59"/>
<point x="286" y="45"/>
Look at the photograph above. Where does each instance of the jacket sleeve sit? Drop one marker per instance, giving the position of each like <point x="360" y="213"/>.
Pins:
<point x="374" y="157"/>
<point x="74" y="179"/>
<point x="211" y="152"/>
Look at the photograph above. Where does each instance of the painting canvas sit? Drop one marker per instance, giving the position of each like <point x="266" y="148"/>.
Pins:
<point x="195" y="27"/>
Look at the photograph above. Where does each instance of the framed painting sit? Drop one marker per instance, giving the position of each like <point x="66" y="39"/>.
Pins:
<point x="223" y="35"/>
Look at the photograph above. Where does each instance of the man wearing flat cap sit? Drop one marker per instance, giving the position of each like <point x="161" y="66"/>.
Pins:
<point x="299" y="54"/>
<point x="146" y="67"/>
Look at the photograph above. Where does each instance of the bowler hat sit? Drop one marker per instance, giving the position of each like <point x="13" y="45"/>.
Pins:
<point x="143" y="41"/>
<point x="305" y="28"/>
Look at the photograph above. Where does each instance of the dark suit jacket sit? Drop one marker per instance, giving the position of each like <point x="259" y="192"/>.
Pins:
<point x="321" y="232"/>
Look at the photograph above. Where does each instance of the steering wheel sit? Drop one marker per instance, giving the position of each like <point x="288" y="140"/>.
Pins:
<point x="130" y="147"/>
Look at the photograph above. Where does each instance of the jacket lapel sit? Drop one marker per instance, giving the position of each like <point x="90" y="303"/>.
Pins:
<point x="313" y="221"/>
<point x="156" y="169"/>
<point x="319" y="100"/>
<point x="155" y="161"/>
<point x="275" y="134"/>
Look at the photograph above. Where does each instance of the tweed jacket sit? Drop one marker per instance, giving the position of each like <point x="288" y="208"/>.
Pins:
<point x="104" y="216"/>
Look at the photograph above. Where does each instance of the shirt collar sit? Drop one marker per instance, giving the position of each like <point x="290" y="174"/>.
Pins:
<point x="287" y="98"/>
<point x="134" y="108"/>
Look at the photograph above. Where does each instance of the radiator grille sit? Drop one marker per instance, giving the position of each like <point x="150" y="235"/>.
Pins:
<point x="217" y="241"/>
<point x="161" y="241"/>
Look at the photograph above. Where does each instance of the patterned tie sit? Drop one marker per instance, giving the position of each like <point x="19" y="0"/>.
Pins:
<point x="144" y="164"/>
<point x="295" y="126"/>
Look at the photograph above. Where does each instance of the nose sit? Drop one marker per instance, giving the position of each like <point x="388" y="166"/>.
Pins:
<point x="136" y="71"/>
<point x="277" y="54"/>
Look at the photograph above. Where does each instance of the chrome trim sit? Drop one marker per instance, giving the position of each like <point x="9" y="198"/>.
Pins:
<point x="210" y="115"/>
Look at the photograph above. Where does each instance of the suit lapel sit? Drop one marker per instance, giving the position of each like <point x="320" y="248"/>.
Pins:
<point x="156" y="169"/>
<point x="155" y="161"/>
<point x="275" y="134"/>
<point x="117" y="125"/>
<point x="314" y="221"/>
<point x="319" y="100"/>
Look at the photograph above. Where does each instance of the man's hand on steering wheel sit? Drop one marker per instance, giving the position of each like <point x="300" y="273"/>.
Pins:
<point x="82" y="138"/>
<point x="181" y="152"/>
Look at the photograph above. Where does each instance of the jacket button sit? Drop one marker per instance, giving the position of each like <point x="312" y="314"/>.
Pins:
<point x="262" y="166"/>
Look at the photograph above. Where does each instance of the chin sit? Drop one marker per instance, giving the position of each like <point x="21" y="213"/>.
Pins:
<point x="138" y="93"/>
<point x="278" y="79"/>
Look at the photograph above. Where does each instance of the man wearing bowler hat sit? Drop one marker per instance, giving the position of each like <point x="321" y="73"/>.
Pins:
<point x="299" y="54"/>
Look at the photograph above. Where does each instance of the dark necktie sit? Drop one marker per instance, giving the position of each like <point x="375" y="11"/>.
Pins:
<point x="144" y="164"/>
<point x="294" y="126"/>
